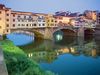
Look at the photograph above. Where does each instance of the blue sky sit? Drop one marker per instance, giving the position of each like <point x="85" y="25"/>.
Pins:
<point x="51" y="6"/>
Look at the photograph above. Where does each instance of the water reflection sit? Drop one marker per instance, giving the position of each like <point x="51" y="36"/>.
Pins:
<point x="69" y="56"/>
<point x="48" y="51"/>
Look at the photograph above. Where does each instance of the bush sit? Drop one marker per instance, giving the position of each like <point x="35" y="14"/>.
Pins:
<point x="18" y="63"/>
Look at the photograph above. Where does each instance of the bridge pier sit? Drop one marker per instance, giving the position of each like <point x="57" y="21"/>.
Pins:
<point x="80" y="32"/>
<point x="48" y="34"/>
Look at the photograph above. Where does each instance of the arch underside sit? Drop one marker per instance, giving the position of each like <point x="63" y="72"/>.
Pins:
<point x="36" y="33"/>
<point x="89" y="31"/>
<point x="66" y="31"/>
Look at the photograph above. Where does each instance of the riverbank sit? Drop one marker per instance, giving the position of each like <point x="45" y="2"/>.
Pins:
<point x="18" y="63"/>
<point x="3" y="69"/>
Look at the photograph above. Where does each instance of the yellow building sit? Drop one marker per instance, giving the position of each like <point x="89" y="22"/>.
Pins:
<point x="5" y="14"/>
<point x="63" y="20"/>
<point x="51" y="21"/>
<point x="91" y="14"/>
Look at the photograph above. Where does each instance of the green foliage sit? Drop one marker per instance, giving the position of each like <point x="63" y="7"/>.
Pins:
<point x="4" y="37"/>
<point x="18" y="63"/>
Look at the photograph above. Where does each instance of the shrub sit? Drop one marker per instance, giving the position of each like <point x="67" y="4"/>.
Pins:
<point x="18" y="63"/>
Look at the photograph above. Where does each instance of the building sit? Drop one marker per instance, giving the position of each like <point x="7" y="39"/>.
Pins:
<point x="63" y="20"/>
<point x="41" y="20"/>
<point x="91" y="14"/>
<point x="98" y="18"/>
<point x="51" y="21"/>
<point x="10" y="20"/>
<point x="5" y="14"/>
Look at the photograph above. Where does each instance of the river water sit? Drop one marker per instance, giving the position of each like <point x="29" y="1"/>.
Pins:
<point x="64" y="55"/>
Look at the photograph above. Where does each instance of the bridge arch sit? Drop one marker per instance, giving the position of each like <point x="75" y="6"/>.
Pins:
<point x="89" y="31"/>
<point x="32" y="32"/>
<point x="23" y="32"/>
<point x="66" y="31"/>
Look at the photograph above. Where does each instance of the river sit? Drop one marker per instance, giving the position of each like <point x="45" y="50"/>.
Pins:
<point x="64" y="55"/>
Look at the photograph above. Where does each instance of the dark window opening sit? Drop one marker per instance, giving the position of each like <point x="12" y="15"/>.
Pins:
<point x="13" y="25"/>
<point x="7" y="19"/>
<point x="34" y="24"/>
<point x="13" y="20"/>
<point x="7" y="25"/>
<point x="7" y="14"/>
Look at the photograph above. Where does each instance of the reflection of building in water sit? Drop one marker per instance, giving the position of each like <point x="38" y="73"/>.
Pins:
<point x="43" y="56"/>
<point x="94" y="52"/>
<point x="63" y="50"/>
<point x="87" y="50"/>
<point x="50" y="56"/>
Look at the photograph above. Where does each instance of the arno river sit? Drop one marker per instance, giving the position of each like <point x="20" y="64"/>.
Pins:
<point x="64" y="55"/>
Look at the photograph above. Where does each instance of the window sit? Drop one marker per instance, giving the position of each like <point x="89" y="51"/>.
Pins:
<point x="18" y="20"/>
<point x="55" y="21"/>
<point x="7" y="14"/>
<point x="29" y="16"/>
<point x="13" y="20"/>
<point x="0" y="27"/>
<point x="7" y="25"/>
<point x="39" y="24"/>
<point x="0" y="12"/>
<point x="23" y="25"/>
<point x="7" y="19"/>
<point x="18" y="24"/>
<point x="34" y="24"/>
<point x="7" y="30"/>
<point x="13" y="25"/>
<point x="24" y="16"/>
<point x="51" y="20"/>
<point x="13" y="15"/>
<point x="43" y="24"/>
<point x="26" y="24"/>
<point x="18" y="16"/>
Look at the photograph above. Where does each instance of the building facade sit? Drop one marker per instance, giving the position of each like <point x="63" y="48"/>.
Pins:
<point x="91" y="14"/>
<point x="5" y="15"/>
<point x="51" y="21"/>
<point x="98" y="18"/>
<point x="10" y="19"/>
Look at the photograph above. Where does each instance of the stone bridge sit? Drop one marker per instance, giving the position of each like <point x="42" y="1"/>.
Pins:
<point x="47" y="32"/>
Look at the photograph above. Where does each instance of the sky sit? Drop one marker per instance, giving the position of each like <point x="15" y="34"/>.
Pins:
<point x="51" y="6"/>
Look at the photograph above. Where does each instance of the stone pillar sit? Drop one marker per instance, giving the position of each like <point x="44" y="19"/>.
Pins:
<point x="80" y="32"/>
<point x="80" y="41"/>
<point x="48" y="33"/>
